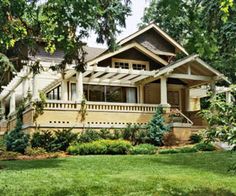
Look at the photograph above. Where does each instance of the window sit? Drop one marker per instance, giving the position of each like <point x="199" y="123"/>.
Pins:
<point x="110" y="93"/>
<point x="122" y="65"/>
<point x="54" y="94"/>
<point x="130" y="64"/>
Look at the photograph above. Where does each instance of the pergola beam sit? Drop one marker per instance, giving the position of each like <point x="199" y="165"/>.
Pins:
<point x="190" y="77"/>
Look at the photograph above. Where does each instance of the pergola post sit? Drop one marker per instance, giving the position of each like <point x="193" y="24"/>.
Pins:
<point x="64" y="90"/>
<point x="3" y="109"/>
<point x="79" y="86"/>
<point x="12" y="102"/>
<point x="213" y="89"/>
<point x="164" y="102"/>
<point x="228" y="97"/>
<point x="35" y="93"/>
<point x="25" y="87"/>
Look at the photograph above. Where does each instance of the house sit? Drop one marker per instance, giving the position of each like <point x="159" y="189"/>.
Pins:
<point x="121" y="87"/>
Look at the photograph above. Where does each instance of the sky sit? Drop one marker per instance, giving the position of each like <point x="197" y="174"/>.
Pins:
<point x="131" y="22"/>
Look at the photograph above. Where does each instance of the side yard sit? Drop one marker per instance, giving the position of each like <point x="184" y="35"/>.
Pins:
<point x="173" y="174"/>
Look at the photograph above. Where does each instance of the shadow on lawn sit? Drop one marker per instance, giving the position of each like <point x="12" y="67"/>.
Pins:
<point x="211" y="161"/>
<point x="20" y="165"/>
<point x="203" y="191"/>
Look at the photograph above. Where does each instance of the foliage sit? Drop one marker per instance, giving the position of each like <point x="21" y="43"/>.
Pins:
<point x="8" y="155"/>
<point x="187" y="150"/>
<point x="157" y="128"/>
<point x="35" y="151"/>
<point x="221" y="118"/>
<point x="201" y="26"/>
<point x="43" y="139"/>
<point x="83" y="110"/>
<point x="101" y="147"/>
<point x="195" y="138"/>
<point x="58" y="140"/>
<point x="143" y="149"/>
<point x="89" y="135"/>
<point x="168" y="151"/>
<point x="205" y="147"/>
<point x="63" y="138"/>
<point x="38" y="106"/>
<point x="135" y="134"/>
<point x="59" y="24"/>
<point x="169" y="139"/>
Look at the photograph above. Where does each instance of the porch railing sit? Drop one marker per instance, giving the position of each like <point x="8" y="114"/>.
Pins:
<point x="102" y="106"/>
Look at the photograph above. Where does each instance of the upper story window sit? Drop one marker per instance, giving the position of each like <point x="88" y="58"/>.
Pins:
<point x="130" y="64"/>
<point x="54" y="94"/>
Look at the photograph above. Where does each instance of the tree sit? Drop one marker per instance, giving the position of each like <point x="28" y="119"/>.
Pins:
<point x="201" y="26"/>
<point x="59" y="24"/>
<point x="221" y="118"/>
<point x="157" y="128"/>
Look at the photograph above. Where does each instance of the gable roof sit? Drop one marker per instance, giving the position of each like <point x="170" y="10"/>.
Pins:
<point x="188" y="59"/>
<point x="159" y="31"/>
<point x="135" y="45"/>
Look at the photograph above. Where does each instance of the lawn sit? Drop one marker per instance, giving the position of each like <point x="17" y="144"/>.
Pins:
<point x="177" y="174"/>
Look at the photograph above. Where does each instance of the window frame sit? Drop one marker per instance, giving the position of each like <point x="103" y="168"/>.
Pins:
<point x="130" y="63"/>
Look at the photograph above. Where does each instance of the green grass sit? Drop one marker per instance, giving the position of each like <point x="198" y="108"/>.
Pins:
<point x="175" y="174"/>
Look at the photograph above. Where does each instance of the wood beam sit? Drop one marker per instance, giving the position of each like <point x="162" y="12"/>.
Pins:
<point x="190" y="77"/>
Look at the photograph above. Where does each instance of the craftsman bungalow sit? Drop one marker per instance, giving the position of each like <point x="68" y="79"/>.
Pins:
<point x="120" y="87"/>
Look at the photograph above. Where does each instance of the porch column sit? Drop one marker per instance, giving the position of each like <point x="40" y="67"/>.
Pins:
<point x="3" y="108"/>
<point x="64" y="90"/>
<point x="164" y="92"/>
<point x="79" y="86"/>
<point x="228" y="97"/>
<point x="141" y="93"/>
<point x="213" y="89"/>
<point x="187" y="99"/>
<point x="25" y="87"/>
<point x="12" y="102"/>
<point x="35" y="93"/>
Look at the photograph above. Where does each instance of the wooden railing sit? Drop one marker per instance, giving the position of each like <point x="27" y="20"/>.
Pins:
<point x="102" y="106"/>
<point x="183" y="118"/>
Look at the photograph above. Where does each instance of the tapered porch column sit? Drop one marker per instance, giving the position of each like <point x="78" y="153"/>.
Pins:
<point x="164" y="92"/>
<point x="35" y="92"/>
<point x="64" y="90"/>
<point x="228" y="97"/>
<point x="12" y="102"/>
<point x="79" y="86"/>
<point x="187" y="99"/>
<point x="3" y="107"/>
<point x="141" y="94"/>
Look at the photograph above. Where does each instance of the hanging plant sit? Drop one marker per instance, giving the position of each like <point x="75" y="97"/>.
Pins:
<point x="83" y="110"/>
<point x="39" y="106"/>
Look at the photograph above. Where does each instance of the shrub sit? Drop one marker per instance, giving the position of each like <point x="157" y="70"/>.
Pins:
<point x="89" y="135"/>
<point x="43" y="139"/>
<point x="195" y="138"/>
<point x="168" y="151"/>
<point x="143" y="149"/>
<point x="187" y="150"/>
<point x="117" y="134"/>
<point x="17" y="140"/>
<point x="157" y="128"/>
<point x="63" y="138"/>
<point x="116" y="146"/>
<point x="106" y="134"/>
<point x="35" y="151"/>
<point x="8" y="155"/>
<point x="101" y="147"/>
<point x="135" y="134"/>
<point x="169" y="139"/>
<point x="205" y="147"/>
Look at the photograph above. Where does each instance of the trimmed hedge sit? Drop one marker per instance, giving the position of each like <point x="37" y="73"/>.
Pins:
<point x="143" y="149"/>
<point x="205" y="147"/>
<point x="168" y="151"/>
<point x="101" y="147"/>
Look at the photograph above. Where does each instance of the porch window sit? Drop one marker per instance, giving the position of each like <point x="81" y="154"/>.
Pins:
<point x="54" y="94"/>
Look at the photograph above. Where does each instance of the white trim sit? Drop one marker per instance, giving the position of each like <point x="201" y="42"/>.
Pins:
<point x="131" y="62"/>
<point x="190" y="77"/>
<point x="156" y="28"/>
